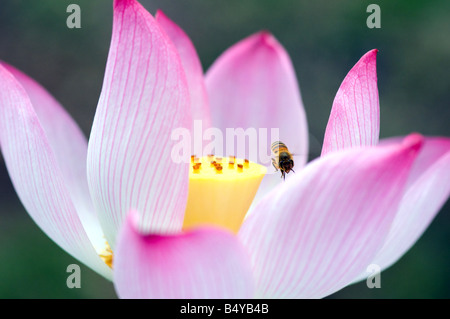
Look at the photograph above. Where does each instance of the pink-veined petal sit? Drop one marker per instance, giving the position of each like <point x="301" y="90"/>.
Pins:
<point x="253" y="85"/>
<point x="427" y="191"/>
<point x="36" y="175"/>
<point x="192" y="68"/>
<point x="201" y="263"/>
<point x="69" y="147"/>
<point x="355" y="116"/>
<point x="432" y="150"/>
<point x="144" y="98"/>
<point x="313" y="235"/>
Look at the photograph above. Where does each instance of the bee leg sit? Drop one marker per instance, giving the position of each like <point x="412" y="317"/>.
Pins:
<point x="273" y="163"/>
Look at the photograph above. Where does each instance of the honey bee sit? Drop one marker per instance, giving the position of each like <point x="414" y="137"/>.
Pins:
<point x="282" y="159"/>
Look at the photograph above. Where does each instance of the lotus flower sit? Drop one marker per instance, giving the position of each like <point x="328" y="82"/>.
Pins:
<point x="361" y="202"/>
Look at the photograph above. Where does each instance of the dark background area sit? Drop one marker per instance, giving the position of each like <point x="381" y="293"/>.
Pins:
<point x="324" y="39"/>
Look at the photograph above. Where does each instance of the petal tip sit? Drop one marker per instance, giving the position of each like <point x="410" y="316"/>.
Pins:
<point x="123" y="3"/>
<point x="168" y="25"/>
<point x="265" y="35"/>
<point x="265" y="38"/>
<point x="160" y="15"/>
<point x="370" y="57"/>
<point x="413" y="142"/>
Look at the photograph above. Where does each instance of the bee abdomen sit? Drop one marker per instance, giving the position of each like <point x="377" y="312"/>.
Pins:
<point x="278" y="147"/>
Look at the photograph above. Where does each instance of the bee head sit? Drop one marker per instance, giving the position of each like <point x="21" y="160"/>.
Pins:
<point x="286" y="163"/>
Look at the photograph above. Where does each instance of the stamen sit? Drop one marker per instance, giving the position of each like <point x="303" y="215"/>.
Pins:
<point x="107" y="255"/>
<point x="219" y="169"/>
<point x="240" y="168"/>
<point x="196" y="168"/>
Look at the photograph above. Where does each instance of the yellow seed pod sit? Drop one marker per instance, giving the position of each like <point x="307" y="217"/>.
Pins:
<point x="221" y="194"/>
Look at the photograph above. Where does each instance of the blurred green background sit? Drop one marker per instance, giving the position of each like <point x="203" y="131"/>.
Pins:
<point x="324" y="39"/>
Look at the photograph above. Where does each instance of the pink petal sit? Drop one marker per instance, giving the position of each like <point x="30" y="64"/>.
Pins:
<point x="313" y="235"/>
<point x="433" y="149"/>
<point x="428" y="189"/>
<point x="69" y="147"/>
<point x="192" y="67"/>
<point x="37" y="176"/>
<point x="253" y="85"/>
<point x="203" y="263"/>
<point x="355" y="116"/>
<point x="144" y="98"/>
